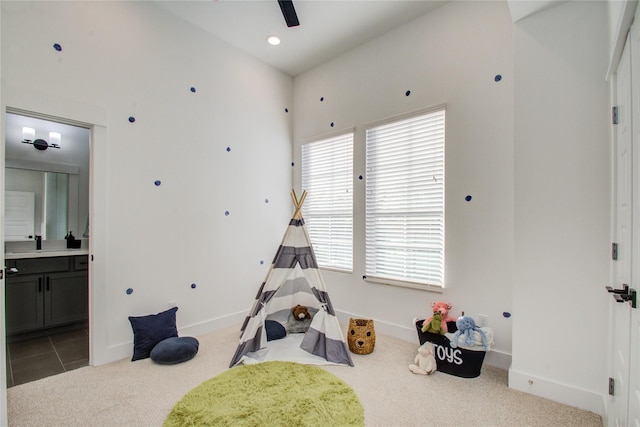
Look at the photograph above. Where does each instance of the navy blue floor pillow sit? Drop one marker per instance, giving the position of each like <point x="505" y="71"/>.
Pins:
<point x="175" y="350"/>
<point x="150" y="330"/>
<point x="275" y="330"/>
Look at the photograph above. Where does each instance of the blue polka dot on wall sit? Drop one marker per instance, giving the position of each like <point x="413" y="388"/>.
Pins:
<point x="407" y="93"/>
<point x="193" y="89"/>
<point x="468" y="198"/>
<point x="157" y="183"/>
<point x="497" y="78"/>
<point x="193" y="286"/>
<point x="132" y="119"/>
<point x="57" y="47"/>
<point x="129" y="291"/>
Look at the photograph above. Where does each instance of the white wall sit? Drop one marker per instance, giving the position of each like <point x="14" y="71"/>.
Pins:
<point x="562" y="202"/>
<point x="122" y="59"/>
<point x="533" y="152"/>
<point x="450" y="56"/>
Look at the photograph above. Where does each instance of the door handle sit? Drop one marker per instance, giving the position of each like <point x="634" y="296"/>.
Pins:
<point x="630" y="297"/>
<point x="624" y="290"/>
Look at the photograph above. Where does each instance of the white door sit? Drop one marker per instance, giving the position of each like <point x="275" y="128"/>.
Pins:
<point x="633" y="417"/>
<point x="634" y="374"/>
<point x="620" y="316"/>
<point x="19" y="219"/>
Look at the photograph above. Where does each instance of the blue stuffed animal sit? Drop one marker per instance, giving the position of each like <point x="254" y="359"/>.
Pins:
<point x="467" y="328"/>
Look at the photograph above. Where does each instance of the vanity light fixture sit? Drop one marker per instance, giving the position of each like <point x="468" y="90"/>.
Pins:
<point x="55" y="138"/>
<point x="273" y="40"/>
<point x="29" y="137"/>
<point x="28" y="133"/>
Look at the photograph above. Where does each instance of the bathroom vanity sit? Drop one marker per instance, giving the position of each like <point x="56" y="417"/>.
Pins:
<point x="44" y="289"/>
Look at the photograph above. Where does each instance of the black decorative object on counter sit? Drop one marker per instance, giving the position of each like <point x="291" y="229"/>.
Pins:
<point x="72" y="242"/>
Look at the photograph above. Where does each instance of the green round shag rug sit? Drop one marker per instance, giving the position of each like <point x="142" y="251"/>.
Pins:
<point x="269" y="394"/>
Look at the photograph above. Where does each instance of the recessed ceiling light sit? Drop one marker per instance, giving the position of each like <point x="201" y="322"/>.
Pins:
<point x="273" y="40"/>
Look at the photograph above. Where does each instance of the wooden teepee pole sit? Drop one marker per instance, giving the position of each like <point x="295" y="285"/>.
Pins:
<point x="297" y="203"/>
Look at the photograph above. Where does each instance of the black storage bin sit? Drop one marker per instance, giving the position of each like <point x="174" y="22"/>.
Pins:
<point x="453" y="361"/>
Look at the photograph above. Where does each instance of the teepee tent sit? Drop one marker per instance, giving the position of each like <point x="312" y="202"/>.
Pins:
<point x="294" y="278"/>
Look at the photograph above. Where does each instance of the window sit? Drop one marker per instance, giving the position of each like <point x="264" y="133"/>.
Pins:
<point x="327" y="175"/>
<point x="405" y="201"/>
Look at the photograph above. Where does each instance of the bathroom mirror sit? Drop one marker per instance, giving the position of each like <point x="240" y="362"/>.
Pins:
<point x="50" y="202"/>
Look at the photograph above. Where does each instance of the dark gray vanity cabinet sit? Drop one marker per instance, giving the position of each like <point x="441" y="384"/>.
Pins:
<point x="45" y="292"/>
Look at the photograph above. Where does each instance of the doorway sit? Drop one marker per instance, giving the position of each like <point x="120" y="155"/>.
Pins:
<point x="48" y="158"/>
<point x="624" y="342"/>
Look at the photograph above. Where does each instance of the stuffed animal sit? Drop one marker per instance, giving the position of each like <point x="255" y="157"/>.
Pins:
<point x="300" y="312"/>
<point x="434" y="325"/>
<point x="425" y="361"/>
<point x="443" y="308"/>
<point x="467" y="328"/>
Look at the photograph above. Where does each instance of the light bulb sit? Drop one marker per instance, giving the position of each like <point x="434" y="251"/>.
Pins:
<point x="273" y="40"/>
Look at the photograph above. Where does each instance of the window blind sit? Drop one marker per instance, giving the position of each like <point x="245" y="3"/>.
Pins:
<point x="327" y="175"/>
<point x="405" y="201"/>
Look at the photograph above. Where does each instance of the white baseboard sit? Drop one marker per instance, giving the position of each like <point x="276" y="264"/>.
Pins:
<point x="124" y="350"/>
<point x="499" y="359"/>
<point x="216" y="323"/>
<point x="408" y="333"/>
<point x="404" y="332"/>
<point x="555" y="391"/>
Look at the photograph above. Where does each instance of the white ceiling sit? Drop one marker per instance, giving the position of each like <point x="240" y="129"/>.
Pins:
<point x="327" y="28"/>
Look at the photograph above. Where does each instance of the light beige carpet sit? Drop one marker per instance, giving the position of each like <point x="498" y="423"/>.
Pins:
<point x="142" y="393"/>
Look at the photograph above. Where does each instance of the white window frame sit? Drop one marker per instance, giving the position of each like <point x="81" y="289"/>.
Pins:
<point x="327" y="176"/>
<point x="405" y="206"/>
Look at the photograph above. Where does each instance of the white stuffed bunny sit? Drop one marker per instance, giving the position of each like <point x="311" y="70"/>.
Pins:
<point x="425" y="361"/>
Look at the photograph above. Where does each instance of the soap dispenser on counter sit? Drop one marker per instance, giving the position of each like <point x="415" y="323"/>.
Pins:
<point x="72" y="243"/>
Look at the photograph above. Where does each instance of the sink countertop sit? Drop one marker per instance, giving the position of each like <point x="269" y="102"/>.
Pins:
<point x="45" y="253"/>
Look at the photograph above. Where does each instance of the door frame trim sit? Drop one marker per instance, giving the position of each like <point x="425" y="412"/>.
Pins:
<point x="25" y="101"/>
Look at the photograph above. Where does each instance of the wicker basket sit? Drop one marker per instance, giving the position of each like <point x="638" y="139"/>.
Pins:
<point x="361" y="336"/>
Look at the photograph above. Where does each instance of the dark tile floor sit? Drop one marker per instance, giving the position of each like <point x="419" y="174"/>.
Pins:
<point x="34" y="358"/>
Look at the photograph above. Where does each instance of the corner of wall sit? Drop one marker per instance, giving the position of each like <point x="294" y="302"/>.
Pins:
<point x="558" y="392"/>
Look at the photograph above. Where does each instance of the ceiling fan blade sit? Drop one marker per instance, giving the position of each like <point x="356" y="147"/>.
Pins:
<point x="289" y="13"/>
